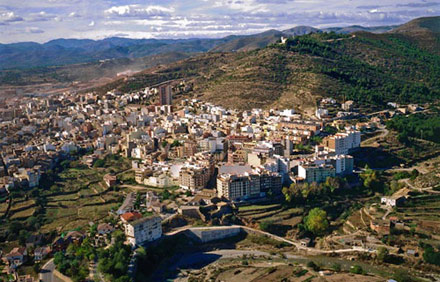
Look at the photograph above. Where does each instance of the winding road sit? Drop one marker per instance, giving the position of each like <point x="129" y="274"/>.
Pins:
<point x="46" y="273"/>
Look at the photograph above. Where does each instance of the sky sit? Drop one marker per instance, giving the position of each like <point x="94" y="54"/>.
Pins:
<point x="44" y="20"/>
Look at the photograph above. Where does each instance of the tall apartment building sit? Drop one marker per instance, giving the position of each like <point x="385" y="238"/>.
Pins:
<point x="316" y="173"/>
<point x="194" y="179"/>
<point x="246" y="186"/>
<point x="343" y="143"/>
<point x="270" y="182"/>
<point x="343" y="164"/>
<point x="165" y="95"/>
<point x="143" y="230"/>
<point x="238" y="187"/>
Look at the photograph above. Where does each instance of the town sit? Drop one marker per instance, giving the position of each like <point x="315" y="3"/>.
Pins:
<point x="157" y="164"/>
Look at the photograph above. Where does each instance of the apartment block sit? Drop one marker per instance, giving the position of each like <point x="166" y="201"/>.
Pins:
<point x="143" y="230"/>
<point x="316" y="173"/>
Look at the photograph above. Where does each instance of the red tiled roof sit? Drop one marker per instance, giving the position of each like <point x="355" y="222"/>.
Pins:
<point x="130" y="216"/>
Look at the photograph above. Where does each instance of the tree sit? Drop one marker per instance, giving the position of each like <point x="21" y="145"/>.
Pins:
<point x="99" y="163"/>
<point x="316" y="221"/>
<point x="431" y="256"/>
<point x="293" y="194"/>
<point x="175" y="143"/>
<point x="333" y="183"/>
<point x="93" y="230"/>
<point x="37" y="267"/>
<point x="266" y="225"/>
<point x="382" y="254"/>
<point x="313" y="265"/>
<point x="166" y="194"/>
<point x="22" y="236"/>
<point x="356" y="269"/>
<point x="336" y="267"/>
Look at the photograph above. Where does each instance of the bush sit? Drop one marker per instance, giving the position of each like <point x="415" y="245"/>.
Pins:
<point x="382" y="254"/>
<point x="99" y="163"/>
<point x="402" y="276"/>
<point x="431" y="256"/>
<point x="356" y="269"/>
<point x="313" y="265"/>
<point x="336" y="267"/>
<point x="266" y="225"/>
<point x="316" y="221"/>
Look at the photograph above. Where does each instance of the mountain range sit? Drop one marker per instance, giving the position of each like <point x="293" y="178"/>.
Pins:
<point x="370" y="68"/>
<point x="60" y="52"/>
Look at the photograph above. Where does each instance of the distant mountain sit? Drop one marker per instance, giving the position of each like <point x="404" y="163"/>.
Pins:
<point x="61" y="52"/>
<point x="356" y="28"/>
<point x="250" y="42"/>
<point x="300" y="30"/>
<point x="425" y="32"/>
<point x="71" y="51"/>
<point x="86" y="71"/>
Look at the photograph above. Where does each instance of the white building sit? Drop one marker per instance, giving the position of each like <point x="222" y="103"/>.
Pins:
<point x="343" y="164"/>
<point x="143" y="230"/>
<point x="343" y="143"/>
<point x="316" y="173"/>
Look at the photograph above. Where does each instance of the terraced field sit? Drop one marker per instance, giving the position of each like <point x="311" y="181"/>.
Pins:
<point x="281" y="218"/>
<point x="423" y="211"/>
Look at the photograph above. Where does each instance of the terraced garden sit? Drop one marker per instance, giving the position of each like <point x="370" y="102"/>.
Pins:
<point x="67" y="200"/>
<point x="281" y="218"/>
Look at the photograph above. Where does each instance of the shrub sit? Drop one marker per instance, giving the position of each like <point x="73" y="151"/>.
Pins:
<point x="356" y="269"/>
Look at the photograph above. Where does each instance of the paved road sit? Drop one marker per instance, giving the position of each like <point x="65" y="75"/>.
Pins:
<point x="46" y="273"/>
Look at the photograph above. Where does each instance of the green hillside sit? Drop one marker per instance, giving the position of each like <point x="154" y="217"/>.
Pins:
<point x="372" y="69"/>
<point x="424" y="32"/>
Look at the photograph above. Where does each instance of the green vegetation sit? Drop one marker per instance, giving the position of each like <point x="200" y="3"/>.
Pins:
<point x="75" y="261"/>
<point x="372" y="83"/>
<point x="266" y="225"/>
<point x="357" y="269"/>
<point x="405" y="174"/>
<point x="371" y="69"/>
<point x="431" y="256"/>
<point x="300" y="193"/>
<point x="313" y="266"/>
<point x="113" y="262"/>
<point x="420" y="126"/>
<point x="257" y="207"/>
<point x="316" y="221"/>
<point x="372" y="180"/>
<point x="382" y="254"/>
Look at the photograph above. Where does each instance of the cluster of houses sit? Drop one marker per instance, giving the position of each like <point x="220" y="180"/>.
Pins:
<point x="221" y="156"/>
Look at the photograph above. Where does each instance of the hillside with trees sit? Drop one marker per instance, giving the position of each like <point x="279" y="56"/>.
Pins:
<point x="371" y="69"/>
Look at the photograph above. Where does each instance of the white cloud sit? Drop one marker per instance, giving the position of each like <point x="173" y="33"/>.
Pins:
<point x="194" y="18"/>
<point x="138" y="10"/>
<point x="9" y="16"/>
<point x="242" y="5"/>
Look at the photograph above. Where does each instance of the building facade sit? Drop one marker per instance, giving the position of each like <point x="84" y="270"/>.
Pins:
<point x="316" y="173"/>
<point x="143" y="230"/>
